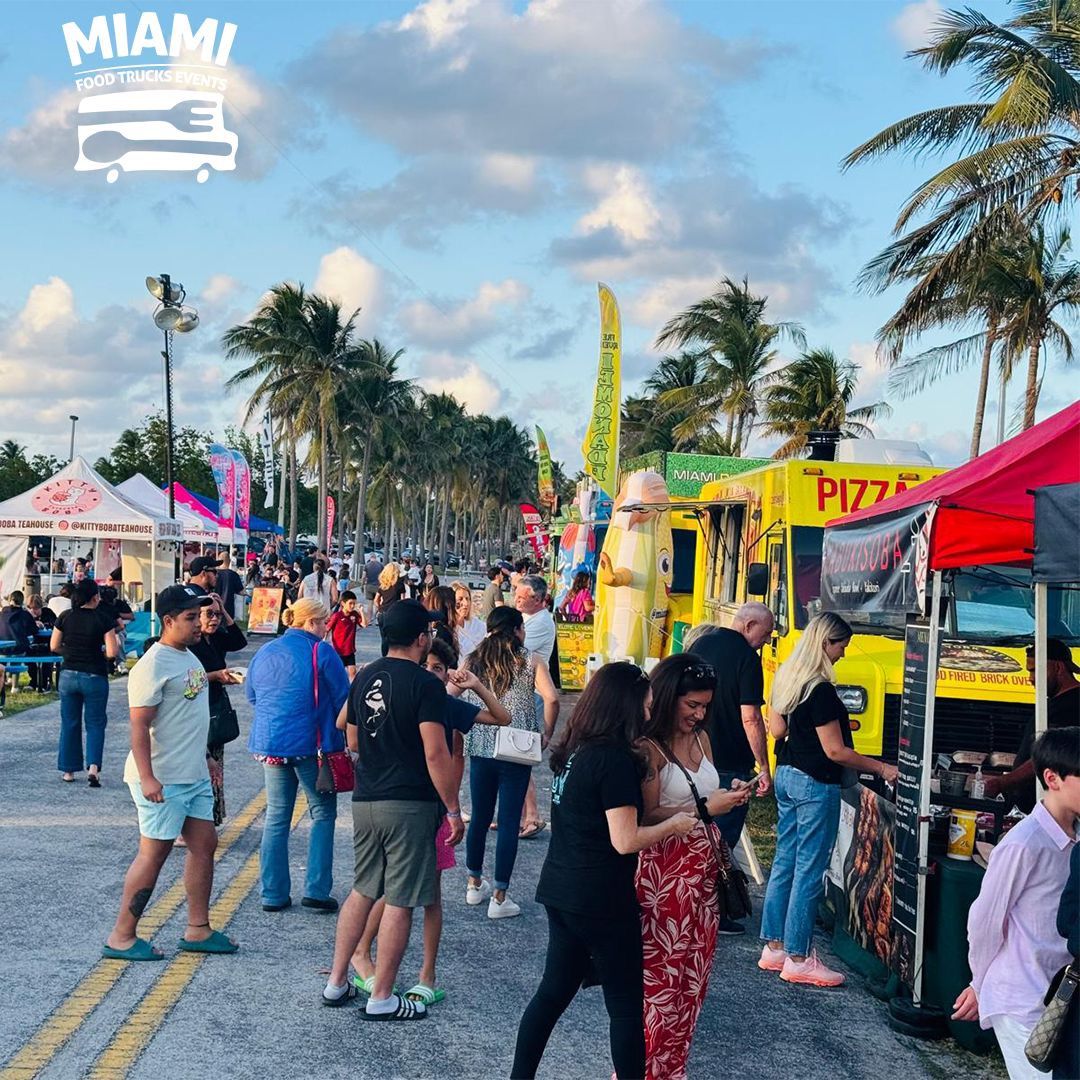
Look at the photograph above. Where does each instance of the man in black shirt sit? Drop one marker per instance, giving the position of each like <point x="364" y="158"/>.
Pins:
<point x="229" y="584"/>
<point x="202" y="574"/>
<point x="395" y="724"/>
<point x="1063" y="710"/>
<point x="736" y="728"/>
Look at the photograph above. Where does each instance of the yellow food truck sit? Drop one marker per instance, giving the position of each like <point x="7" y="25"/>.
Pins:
<point x="763" y="533"/>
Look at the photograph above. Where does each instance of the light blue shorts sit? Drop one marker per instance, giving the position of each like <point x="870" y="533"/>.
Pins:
<point x="165" y="820"/>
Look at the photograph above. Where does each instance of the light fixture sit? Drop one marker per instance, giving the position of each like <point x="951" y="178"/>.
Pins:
<point x="189" y="319"/>
<point x="165" y="289"/>
<point x="167" y="318"/>
<point x="155" y="287"/>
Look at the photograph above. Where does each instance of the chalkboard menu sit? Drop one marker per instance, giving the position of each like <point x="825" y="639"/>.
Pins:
<point x="906" y="891"/>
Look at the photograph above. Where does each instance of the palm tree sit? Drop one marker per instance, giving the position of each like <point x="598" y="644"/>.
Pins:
<point x="813" y="393"/>
<point x="1018" y="144"/>
<point x="737" y="348"/>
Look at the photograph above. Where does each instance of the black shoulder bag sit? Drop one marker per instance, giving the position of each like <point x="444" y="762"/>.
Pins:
<point x="732" y="888"/>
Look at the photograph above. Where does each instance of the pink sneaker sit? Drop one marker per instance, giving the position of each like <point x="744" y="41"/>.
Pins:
<point x="771" y="959"/>
<point x="811" y="972"/>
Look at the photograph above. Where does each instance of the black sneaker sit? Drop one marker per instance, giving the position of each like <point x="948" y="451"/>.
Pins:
<point x="730" y="928"/>
<point x="278" y="907"/>
<point x="329" y="904"/>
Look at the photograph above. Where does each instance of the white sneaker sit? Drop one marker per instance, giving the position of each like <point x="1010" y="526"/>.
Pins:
<point x="506" y="910"/>
<point x="477" y="894"/>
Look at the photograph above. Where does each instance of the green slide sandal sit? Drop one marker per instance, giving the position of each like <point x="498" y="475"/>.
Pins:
<point x="217" y="942"/>
<point x="140" y="950"/>
<point x="426" y="995"/>
<point x="365" y="986"/>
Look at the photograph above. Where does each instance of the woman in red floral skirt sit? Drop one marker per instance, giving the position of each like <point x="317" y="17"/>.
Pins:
<point x="676" y="878"/>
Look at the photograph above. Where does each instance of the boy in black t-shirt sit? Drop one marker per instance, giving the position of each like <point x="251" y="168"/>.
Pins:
<point x="395" y="724"/>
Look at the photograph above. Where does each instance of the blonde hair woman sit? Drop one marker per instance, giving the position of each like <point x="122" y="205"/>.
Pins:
<point x="814" y="746"/>
<point x="297" y="685"/>
<point x="391" y="588"/>
<point x="470" y="629"/>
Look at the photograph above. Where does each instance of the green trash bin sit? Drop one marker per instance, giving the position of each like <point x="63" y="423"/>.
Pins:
<point x="951" y="889"/>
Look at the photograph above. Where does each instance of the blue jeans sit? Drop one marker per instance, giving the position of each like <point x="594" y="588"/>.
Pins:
<point x="731" y="823"/>
<point x="282" y="782"/>
<point x="83" y="700"/>
<point x="507" y="782"/>
<point x="809" y="817"/>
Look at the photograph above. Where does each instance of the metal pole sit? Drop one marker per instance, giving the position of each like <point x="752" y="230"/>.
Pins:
<point x="167" y="355"/>
<point x="924" y="788"/>
<point x="1001" y="410"/>
<point x="71" y="455"/>
<point x="1041" y="700"/>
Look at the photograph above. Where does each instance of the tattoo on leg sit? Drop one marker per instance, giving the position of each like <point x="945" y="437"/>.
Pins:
<point x="139" y="902"/>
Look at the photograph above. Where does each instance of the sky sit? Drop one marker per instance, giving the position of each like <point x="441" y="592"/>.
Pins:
<point x="465" y="172"/>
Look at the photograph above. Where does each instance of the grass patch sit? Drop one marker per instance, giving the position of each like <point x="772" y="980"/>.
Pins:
<point x="761" y="824"/>
<point x="24" y="699"/>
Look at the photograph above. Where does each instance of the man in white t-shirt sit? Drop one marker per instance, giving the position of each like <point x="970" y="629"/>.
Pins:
<point x="530" y="598"/>
<point x="169" y="699"/>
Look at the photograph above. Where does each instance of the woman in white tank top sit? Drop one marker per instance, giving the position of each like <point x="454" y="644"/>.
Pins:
<point x="676" y="879"/>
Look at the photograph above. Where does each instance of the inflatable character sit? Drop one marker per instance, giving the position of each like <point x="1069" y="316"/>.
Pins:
<point x="577" y="546"/>
<point x="633" y="579"/>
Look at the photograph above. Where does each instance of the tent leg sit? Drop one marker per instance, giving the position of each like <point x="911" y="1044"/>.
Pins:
<point x="1041" y="630"/>
<point x="924" y="784"/>
<point x="153" y="585"/>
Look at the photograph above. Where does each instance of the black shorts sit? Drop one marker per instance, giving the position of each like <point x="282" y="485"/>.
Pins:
<point x="350" y="660"/>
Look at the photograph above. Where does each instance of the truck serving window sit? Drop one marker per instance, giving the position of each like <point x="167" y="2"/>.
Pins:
<point x="995" y="603"/>
<point x="725" y="548"/>
<point x="685" y="544"/>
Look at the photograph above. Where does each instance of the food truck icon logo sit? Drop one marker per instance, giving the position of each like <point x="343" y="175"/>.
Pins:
<point x="164" y="117"/>
<point x="66" y="498"/>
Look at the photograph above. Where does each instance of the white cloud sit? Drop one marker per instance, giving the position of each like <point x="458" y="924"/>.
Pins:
<point x="218" y="289"/>
<point x="446" y="324"/>
<point x="626" y="204"/>
<point x="913" y="25"/>
<point x="444" y="373"/>
<point x="873" y="373"/>
<point x="346" y="275"/>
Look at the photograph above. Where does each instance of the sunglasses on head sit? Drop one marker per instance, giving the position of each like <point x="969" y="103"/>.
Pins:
<point x="700" y="671"/>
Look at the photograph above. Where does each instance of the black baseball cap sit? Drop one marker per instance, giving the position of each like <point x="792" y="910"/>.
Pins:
<point x="177" y="598"/>
<point x="203" y="562"/>
<point x="1056" y="649"/>
<point x="404" y="622"/>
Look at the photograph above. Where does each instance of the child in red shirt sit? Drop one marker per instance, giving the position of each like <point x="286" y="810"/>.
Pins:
<point x="341" y="629"/>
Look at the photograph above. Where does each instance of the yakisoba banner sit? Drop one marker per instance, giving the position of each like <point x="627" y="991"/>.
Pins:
<point x="601" y="446"/>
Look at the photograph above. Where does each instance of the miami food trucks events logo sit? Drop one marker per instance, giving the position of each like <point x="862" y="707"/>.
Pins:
<point x="153" y="95"/>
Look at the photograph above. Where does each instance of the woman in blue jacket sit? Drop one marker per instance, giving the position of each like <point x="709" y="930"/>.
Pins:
<point x="297" y="685"/>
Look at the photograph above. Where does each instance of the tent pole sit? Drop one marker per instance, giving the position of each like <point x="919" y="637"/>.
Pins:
<point x="153" y="582"/>
<point x="924" y="786"/>
<point x="1041" y="700"/>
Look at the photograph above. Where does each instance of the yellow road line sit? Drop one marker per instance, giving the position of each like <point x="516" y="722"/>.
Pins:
<point x="141" y="1026"/>
<point x="90" y="992"/>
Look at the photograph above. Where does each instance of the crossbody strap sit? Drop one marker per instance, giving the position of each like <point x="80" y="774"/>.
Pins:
<point x="699" y="802"/>
<point x="315" y="683"/>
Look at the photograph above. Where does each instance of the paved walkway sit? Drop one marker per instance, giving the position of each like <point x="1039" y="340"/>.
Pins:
<point x="64" y="1013"/>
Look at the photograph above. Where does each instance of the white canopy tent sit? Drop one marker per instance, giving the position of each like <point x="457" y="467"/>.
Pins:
<point x="144" y="492"/>
<point x="78" y="502"/>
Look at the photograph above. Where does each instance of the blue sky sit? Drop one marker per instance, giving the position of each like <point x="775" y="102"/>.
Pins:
<point x="465" y="171"/>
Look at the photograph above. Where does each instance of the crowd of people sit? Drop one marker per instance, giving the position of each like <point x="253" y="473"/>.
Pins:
<point x="652" y="778"/>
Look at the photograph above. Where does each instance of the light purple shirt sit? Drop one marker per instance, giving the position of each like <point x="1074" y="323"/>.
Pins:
<point x="1014" y="948"/>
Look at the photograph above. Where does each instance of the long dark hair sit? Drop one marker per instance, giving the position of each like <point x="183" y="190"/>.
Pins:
<point x="610" y="710"/>
<point x="83" y="592"/>
<point x="320" y="570"/>
<point x="441" y="602"/>
<point x="499" y="656"/>
<point x="671" y="679"/>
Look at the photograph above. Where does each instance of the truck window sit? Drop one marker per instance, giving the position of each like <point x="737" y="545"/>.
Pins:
<point x="731" y="552"/>
<point x="997" y="602"/>
<point x="806" y="544"/>
<point x="684" y="542"/>
<point x="778" y="590"/>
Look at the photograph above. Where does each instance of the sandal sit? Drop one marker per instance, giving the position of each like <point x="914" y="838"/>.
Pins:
<point x="94" y="779"/>
<point x="406" y="1010"/>
<point x="533" y="828"/>
<point x="426" y="995"/>
<point x="345" y="998"/>
<point x="366" y="986"/>
<point x="141" y="949"/>
<point x="217" y="942"/>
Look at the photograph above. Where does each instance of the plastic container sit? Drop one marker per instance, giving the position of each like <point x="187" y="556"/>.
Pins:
<point x="953" y="783"/>
<point x="962" y="825"/>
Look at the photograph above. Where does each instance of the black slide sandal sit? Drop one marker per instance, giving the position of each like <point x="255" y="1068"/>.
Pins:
<point x="406" y="1010"/>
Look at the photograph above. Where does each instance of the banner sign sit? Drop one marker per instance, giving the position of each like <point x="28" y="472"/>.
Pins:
<point x="575" y="642"/>
<point x="242" y="472"/>
<point x="871" y="567"/>
<point x="860" y="874"/>
<point x="601" y="446"/>
<point x="264" y="614"/>
<point x="329" y="519"/>
<point x="545" y="482"/>
<point x="534" y="529"/>
<point x="266" y="442"/>
<point x="906" y="892"/>
<point x="223" y="467"/>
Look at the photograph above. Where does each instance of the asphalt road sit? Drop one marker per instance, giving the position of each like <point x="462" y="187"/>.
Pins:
<point x="64" y="849"/>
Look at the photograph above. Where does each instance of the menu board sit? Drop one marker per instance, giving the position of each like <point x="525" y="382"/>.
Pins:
<point x="906" y="892"/>
<point x="264" y="614"/>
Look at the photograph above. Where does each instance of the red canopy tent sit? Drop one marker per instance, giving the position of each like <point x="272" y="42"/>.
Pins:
<point x="983" y="512"/>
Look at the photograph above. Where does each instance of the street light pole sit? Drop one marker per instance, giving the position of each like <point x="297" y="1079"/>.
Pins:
<point x="167" y="357"/>
<point x="71" y="454"/>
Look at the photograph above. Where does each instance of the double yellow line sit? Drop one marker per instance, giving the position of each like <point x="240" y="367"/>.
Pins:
<point x="66" y="1019"/>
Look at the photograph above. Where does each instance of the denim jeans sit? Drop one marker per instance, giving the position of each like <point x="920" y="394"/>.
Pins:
<point x="731" y="824"/>
<point x="809" y="817"/>
<point x="282" y="782"/>
<point x="83" y="700"/>
<point x="507" y="782"/>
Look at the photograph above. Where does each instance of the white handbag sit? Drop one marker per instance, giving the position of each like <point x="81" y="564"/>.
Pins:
<point x="518" y="745"/>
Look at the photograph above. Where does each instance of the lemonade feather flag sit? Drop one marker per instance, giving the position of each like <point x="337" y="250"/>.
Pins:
<point x="545" y="482"/>
<point x="601" y="446"/>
